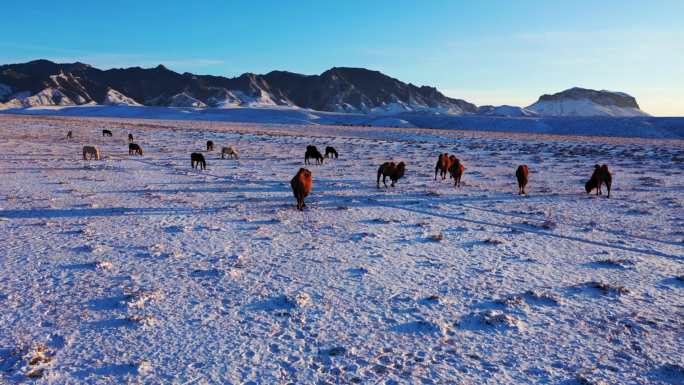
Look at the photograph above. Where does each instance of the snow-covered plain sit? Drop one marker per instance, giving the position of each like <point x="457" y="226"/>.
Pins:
<point x="141" y="270"/>
<point x="642" y="127"/>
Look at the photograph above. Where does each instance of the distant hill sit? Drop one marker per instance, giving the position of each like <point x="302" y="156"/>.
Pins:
<point x="585" y="102"/>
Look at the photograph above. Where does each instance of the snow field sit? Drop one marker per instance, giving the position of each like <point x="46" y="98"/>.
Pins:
<point x="142" y="270"/>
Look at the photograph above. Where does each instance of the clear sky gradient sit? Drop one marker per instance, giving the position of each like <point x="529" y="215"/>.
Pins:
<point x="487" y="52"/>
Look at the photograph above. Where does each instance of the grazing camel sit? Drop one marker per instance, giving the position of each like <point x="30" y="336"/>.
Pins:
<point x="301" y="186"/>
<point x="70" y="135"/>
<point x="197" y="159"/>
<point x="210" y="145"/>
<point x="391" y="170"/>
<point x="134" y="149"/>
<point x="444" y="162"/>
<point x="130" y="137"/>
<point x="106" y="133"/>
<point x="312" y="152"/>
<point x="600" y="176"/>
<point x="331" y="152"/>
<point x="456" y="171"/>
<point x="230" y="151"/>
<point x="90" y="152"/>
<point x="521" y="174"/>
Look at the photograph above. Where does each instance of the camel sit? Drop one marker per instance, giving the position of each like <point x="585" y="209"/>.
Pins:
<point x="230" y="151"/>
<point x="90" y="152"/>
<point x="391" y="170"/>
<point x="456" y="171"/>
<point x="197" y="159"/>
<point x="521" y="174"/>
<point x="330" y="152"/>
<point x="444" y="162"/>
<point x="301" y="186"/>
<point x="600" y="176"/>
<point x="312" y="152"/>
<point x="134" y="149"/>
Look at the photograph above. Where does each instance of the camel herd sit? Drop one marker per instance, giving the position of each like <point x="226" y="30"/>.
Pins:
<point x="302" y="182"/>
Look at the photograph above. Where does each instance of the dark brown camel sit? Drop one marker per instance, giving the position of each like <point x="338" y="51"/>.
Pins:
<point x="312" y="152"/>
<point x="330" y="152"/>
<point x="600" y="176"/>
<point x="197" y="159"/>
<point x="134" y="149"/>
<point x="391" y="170"/>
<point x="521" y="174"/>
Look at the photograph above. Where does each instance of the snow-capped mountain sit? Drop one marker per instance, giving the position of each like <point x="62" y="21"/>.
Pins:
<point x="46" y="97"/>
<point x="338" y="89"/>
<point x="178" y="100"/>
<point x="585" y="102"/>
<point x="116" y="98"/>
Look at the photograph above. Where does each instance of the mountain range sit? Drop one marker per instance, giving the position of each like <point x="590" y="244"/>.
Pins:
<point x="341" y="89"/>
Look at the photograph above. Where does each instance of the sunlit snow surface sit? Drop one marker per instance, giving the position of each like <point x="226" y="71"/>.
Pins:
<point x="141" y="270"/>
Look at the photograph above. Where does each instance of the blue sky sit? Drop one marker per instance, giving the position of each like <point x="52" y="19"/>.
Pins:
<point x="487" y="52"/>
